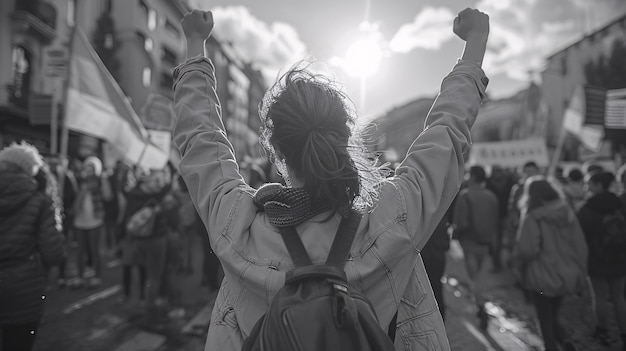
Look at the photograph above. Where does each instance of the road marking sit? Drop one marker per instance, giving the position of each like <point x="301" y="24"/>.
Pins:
<point x="89" y="300"/>
<point x="142" y="341"/>
<point x="111" y="322"/>
<point x="478" y="335"/>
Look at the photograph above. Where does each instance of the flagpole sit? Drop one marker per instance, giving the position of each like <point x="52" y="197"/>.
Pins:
<point x="65" y="133"/>
<point x="557" y="152"/>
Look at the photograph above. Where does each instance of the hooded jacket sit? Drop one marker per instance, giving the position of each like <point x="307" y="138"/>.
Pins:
<point x="384" y="261"/>
<point x="551" y="253"/>
<point x="590" y="217"/>
<point x="29" y="243"/>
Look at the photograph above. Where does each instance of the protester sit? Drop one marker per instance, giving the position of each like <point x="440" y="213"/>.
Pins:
<point x="150" y="252"/>
<point x="89" y="220"/>
<point x="476" y="223"/>
<point x="30" y="243"/>
<point x="574" y="189"/>
<point x="550" y="256"/>
<point x="500" y="183"/>
<point x="602" y="220"/>
<point x="529" y="169"/>
<point x="307" y="129"/>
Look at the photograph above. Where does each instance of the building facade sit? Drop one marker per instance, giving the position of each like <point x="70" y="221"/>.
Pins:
<point x="566" y="69"/>
<point x="145" y="41"/>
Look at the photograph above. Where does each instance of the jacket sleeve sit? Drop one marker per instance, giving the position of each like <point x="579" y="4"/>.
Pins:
<point x="528" y="244"/>
<point x="49" y="238"/>
<point x="432" y="172"/>
<point x="208" y="163"/>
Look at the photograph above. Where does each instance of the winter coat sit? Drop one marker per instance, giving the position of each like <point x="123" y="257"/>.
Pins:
<point x="590" y="217"/>
<point x="30" y="242"/>
<point x="384" y="260"/>
<point x="476" y="216"/>
<point x="550" y="253"/>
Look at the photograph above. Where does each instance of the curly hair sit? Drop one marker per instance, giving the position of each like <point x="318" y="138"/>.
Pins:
<point x="308" y="126"/>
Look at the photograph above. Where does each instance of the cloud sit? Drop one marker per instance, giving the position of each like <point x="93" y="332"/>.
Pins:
<point x="268" y="47"/>
<point x="524" y="32"/>
<point x="431" y="28"/>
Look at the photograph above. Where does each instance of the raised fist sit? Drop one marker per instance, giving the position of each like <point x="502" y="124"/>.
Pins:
<point x="471" y="24"/>
<point x="197" y="24"/>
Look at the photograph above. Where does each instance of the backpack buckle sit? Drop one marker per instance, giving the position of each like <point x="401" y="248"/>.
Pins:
<point x="340" y="287"/>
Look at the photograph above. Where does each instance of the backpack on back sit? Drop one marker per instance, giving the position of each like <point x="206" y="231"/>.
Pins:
<point x="318" y="309"/>
<point x="613" y="244"/>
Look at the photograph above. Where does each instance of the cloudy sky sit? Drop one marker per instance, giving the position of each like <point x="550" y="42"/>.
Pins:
<point x="415" y="39"/>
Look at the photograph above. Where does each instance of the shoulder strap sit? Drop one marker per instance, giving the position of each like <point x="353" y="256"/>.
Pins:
<point x="295" y="247"/>
<point x="338" y="251"/>
<point x="343" y="240"/>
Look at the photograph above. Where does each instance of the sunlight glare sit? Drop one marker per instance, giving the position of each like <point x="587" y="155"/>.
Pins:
<point x="363" y="58"/>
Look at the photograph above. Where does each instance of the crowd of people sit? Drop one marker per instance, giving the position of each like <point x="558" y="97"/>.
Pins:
<point x="561" y="235"/>
<point x="49" y="233"/>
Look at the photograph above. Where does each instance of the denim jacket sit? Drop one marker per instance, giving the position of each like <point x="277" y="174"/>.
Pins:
<point x="384" y="262"/>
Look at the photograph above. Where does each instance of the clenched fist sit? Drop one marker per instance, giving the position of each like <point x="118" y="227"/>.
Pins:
<point x="197" y="25"/>
<point x="471" y="24"/>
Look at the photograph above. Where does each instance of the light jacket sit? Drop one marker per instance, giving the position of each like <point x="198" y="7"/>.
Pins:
<point x="384" y="260"/>
<point x="551" y="253"/>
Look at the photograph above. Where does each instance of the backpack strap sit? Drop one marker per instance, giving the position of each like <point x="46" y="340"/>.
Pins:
<point x="343" y="240"/>
<point x="295" y="247"/>
<point x="338" y="251"/>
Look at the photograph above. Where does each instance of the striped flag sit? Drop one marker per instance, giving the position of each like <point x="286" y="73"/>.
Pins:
<point x="97" y="106"/>
<point x="574" y="121"/>
<point x="615" y="113"/>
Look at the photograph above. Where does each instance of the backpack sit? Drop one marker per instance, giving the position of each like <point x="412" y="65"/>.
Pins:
<point x="141" y="223"/>
<point x="613" y="243"/>
<point x="317" y="309"/>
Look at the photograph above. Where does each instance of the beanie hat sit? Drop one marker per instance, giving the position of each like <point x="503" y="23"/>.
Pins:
<point x="95" y="163"/>
<point x="23" y="155"/>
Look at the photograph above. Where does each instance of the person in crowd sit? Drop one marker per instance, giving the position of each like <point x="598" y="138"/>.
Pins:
<point x="574" y="189"/>
<point x="476" y="223"/>
<point x="174" y="253"/>
<point x="434" y="257"/>
<point x="30" y="244"/>
<point x="111" y="209"/>
<point x="187" y="225"/>
<point x="550" y="256"/>
<point x="89" y="220"/>
<point x="500" y="183"/>
<point x="307" y="128"/>
<point x="529" y="169"/>
<point x="621" y="178"/>
<point x="151" y="250"/>
<point x="600" y="220"/>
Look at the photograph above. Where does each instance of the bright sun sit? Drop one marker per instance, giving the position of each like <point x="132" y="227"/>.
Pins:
<point x="363" y="57"/>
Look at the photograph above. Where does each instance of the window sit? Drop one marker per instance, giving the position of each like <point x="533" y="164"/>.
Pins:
<point x="152" y="19"/>
<point x="21" y="76"/>
<point x="169" y="56"/>
<point x="146" y="77"/>
<point x="148" y="44"/>
<point x="71" y="13"/>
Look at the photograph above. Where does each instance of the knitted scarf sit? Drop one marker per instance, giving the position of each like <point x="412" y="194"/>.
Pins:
<point x="286" y="207"/>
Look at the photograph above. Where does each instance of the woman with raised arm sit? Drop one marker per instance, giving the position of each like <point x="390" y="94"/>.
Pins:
<point x="308" y="129"/>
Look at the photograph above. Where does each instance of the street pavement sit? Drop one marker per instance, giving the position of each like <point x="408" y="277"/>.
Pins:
<point x="94" y="320"/>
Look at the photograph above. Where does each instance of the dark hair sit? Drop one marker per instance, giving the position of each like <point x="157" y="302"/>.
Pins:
<point x="478" y="174"/>
<point x="603" y="178"/>
<point x="530" y="164"/>
<point x="538" y="191"/>
<point x="308" y="124"/>
<point x="575" y="175"/>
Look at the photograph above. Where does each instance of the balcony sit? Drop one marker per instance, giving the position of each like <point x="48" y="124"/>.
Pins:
<point x="36" y="18"/>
